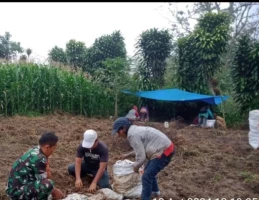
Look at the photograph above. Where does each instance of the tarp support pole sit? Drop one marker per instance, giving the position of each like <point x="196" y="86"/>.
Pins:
<point x="223" y="107"/>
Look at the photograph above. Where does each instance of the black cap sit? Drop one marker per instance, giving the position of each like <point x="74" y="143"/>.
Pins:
<point x="122" y="121"/>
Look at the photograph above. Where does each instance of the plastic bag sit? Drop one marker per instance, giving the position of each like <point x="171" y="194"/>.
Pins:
<point x="110" y="194"/>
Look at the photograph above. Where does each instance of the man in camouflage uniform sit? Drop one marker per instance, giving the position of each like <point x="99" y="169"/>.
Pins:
<point x="30" y="174"/>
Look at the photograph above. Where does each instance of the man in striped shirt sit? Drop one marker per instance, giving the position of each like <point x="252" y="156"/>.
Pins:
<point x="148" y="144"/>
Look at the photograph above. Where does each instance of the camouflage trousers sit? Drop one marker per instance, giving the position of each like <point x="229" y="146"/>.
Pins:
<point x="37" y="190"/>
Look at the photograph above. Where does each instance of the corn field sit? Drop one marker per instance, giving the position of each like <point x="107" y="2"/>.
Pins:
<point x="43" y="89"/>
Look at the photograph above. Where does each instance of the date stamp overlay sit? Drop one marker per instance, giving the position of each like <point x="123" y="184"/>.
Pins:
<point x="207" y="199"/>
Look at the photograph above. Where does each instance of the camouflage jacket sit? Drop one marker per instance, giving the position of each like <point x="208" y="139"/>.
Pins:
<point x="31" y="166"/>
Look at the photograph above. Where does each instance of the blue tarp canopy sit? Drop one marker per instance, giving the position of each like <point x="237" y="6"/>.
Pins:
<point x="176" y="95"/>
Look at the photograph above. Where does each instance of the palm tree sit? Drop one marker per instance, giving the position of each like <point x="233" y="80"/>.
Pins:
<point x="28" y="52"/>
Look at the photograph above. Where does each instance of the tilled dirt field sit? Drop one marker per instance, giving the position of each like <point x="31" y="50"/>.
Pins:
<point x="209" y="163"/>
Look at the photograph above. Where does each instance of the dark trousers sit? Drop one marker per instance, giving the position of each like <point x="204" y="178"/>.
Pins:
<point x="103" y="182"/>
<point x="149" y="181"/>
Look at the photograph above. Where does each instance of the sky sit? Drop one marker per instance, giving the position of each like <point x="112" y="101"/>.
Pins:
<point x="41" y="26"/>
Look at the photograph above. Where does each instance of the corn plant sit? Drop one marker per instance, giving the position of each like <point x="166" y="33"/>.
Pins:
<point x="26" y="88"/>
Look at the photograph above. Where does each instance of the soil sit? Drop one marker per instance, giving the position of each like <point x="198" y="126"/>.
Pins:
<point x="209" y="163"/>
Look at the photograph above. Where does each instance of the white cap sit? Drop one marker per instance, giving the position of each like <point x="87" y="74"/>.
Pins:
<point x="89" y="138"/>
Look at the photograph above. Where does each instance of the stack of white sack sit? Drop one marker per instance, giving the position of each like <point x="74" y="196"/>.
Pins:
<point x="254" y="128"/>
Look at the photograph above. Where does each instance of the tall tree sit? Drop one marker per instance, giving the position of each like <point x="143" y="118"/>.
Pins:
<point x="57" y="54"/>
<point x="153" y="47"/>
<point x="244" y="16"/>
<point x="245" y="73"/>
<point x="114" y="77"/>
<point x="199" y="53"/>
<point x="9" y="49"/>
<point x="107" y="46"/>
<point x="244" y="19"/>
<point x="76" y="53"/>
<point x="28" y="52"/>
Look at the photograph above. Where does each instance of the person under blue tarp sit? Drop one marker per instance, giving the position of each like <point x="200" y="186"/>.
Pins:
<point x="144" y="114"/>
<point x="133" y="114"/>
<point x="204" y="114"/>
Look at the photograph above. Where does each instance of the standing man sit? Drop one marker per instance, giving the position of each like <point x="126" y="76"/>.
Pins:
<point x="95" y="154"/>
<point x="30" y="176"/>
<point x="147" y="143"/>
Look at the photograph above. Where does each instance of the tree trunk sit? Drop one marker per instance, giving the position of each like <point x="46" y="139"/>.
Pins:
<point x="116" y="96"/>
<point x="211" y="87"/>
<point x="223" y="108"/>
<point x="116" y="105"/>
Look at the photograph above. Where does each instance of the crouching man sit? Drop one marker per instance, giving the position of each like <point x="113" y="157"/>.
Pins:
<point x="30" y="176"/>
<point x="95" y="154"/>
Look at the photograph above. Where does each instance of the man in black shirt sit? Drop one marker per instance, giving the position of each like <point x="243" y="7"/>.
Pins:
<point x="95" y="154"/>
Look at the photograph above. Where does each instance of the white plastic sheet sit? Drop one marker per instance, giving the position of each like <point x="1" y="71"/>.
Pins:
<point x="101" y="194"/>
<point x="74" y="196"/>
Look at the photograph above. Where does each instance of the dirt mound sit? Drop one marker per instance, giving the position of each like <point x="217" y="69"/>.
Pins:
<point x="209" y="163"/>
